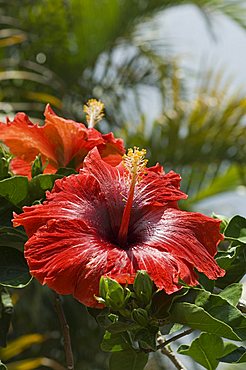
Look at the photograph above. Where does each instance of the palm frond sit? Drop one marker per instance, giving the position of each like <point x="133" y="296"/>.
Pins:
<point x="200" y="139"/>
<point x="85" y="36"/>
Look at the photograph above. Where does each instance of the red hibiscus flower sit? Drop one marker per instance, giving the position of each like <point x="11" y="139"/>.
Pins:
<point x="114" y="221"/>
<point x="61" y="142"/>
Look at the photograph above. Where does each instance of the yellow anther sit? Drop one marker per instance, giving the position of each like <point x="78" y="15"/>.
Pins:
<point x="94" y="110"/>
<point x="134" y="161"/>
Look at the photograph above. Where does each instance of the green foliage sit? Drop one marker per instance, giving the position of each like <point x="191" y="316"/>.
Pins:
<point x="236" y="229"/>
<point x="12" y="237"/>
<point x="6" y="311"/>
<point x="202" y="128"/>
<point x="65" y="171"/>
<point x="2" y="366"/>
<point x="211" y="313"/>
<point x="14" y="271"/>
<point x="15" y="190"/>
<point x="5" y="158"/>
<point x="130" y="327"/>
<point x="233" y="261"/>
<point x="40" y="184"/>
<point x="128" y="360"/>
<point x="134" y="329"/>
<point x="115" y="342"/>
<point x="140" y="316"/>
<point x="237" y="356"/>
<point x="233" y="257"/>
<point x="207" y="349"/>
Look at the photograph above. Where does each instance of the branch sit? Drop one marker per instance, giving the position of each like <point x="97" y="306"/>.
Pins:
<point x="168" y="352"/>
<point x="172" y="358"/>
<point x="175" y="337"/>
<point x="65" y="332"/>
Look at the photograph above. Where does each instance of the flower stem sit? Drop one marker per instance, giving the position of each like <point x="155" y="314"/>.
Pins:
<point x="175" y="337"/>
<point x="65" y="332"/>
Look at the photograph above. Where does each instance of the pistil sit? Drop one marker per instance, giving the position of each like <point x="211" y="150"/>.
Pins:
<point x="135" y="163"/>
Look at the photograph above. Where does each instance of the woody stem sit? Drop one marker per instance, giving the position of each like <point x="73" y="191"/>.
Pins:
<point x="172" y="358"/>
<point x="65" y="332"/>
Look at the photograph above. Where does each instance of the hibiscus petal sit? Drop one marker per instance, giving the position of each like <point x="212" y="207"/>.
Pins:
<point x="112" y="149"/>
<point x="73" y="197"/>
<point x="20" y="167"/>
<point x="189" y="236"/>
<point x="112" y="185"/>
<point x="69" y="257"/>
<point x="26" y="140"/>
<point x="67" y="136"/>
<point x="157" y="188"/>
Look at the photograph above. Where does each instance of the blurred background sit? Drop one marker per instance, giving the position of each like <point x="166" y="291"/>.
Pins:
<point x="172" y="77"/>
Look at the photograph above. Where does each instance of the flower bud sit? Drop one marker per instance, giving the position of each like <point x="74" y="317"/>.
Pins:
<point x="37" y="166"/>
<point x="140" y="316"/>
<point x="112" y="293"/>
<point x="143" y="287"/>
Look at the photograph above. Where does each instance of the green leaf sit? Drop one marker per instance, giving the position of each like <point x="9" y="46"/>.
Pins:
<point x="232" y="293"/>
<point x="224" y="221"/>
<point x="12" y="237"/>
<point x="210" y="313"/>
<point x="206" y="350"/>
<point x="40" y="184"/>
<point x="14" y="189"/>
<point x="236" y="229"/>
<point x="128" y="360"/>
<point x="197" y="318"/>
<point x="65" y="171"/>
<point x="114" y="342"/>
<point x="140" y="316"/>
<point x="5" y="158"/>
<point x="222" y="310"/>
<point x="161" y="303"/>
<point x="235" y="266"/>
<point x="175" y="328"/>
<point x="2" y="366"/>
<point x="6" y="311"/>
<point x="14" y="271"/>
<point x="6" y="212"/>
<point x="237" y="356"/>
<point x="226" y="258"/>
<point x="146" y="338"/>
<point x="205" y="282"/>
<point x="120" y="326"/>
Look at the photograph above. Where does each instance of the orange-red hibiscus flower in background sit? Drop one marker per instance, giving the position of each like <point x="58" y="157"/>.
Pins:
<point x="61" y="142"/>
